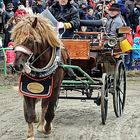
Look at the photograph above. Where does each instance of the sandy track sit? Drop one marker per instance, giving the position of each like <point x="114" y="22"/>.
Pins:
<point x="74" y="120"/>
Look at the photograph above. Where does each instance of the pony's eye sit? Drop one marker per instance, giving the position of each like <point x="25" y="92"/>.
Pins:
<point x="30" y="40"/>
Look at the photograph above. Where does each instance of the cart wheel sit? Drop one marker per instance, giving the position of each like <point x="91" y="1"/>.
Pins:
<point x="104" y="98"/>
<point x="119" y="88"/>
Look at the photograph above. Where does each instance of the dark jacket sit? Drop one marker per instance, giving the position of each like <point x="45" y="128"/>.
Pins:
<point x="89" y="28"/>
<point x="66" y="14"/>
<point x="136" y="17"/>
<point x="38" y="8"/>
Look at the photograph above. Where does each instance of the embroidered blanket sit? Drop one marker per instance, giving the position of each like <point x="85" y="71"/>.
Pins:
<point x="35" y="88"/>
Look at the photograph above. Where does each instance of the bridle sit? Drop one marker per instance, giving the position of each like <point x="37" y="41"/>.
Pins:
<point x="49" y="69"/>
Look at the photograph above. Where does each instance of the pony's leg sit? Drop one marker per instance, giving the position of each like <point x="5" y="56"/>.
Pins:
<point x="53" y="100"/>
<point x="51" y="111"/>
<point x="41" y="124"/>
<point x="49" y="117"/>
<point x="30" y="135"/>
<point x="30" y="115"/>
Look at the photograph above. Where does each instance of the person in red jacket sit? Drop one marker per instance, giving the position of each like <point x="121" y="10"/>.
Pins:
<point x="10" y="58"/>
<point x="137" y="34"/>
<point x="92" y="3"/>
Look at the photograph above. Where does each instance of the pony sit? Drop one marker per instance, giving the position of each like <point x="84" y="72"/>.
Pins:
<point x="39" y="53"/>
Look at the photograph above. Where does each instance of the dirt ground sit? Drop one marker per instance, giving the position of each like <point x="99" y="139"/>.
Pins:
<point x="74" y="120"/>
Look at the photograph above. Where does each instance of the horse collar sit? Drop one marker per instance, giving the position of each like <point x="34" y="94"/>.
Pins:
<point x="48" y="69"/>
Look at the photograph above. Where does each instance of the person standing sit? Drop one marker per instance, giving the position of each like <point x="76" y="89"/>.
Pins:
<point x="38" y="8"/>
<point x="129" y="4"/>
<point x="136" y="16"/>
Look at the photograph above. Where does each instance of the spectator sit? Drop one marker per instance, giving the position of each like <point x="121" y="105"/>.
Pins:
<point x="26" y="3"/>
<point x="92" y="3"/>
<point x="83" y="10"/>
<point x="10" y="58"/>
<point x="115" y="20"/>
<point x="136" y="16"/>
<point x="66" y="14"/>
<point x="50" y="2"/>
<point x="89" y="16"/>
<point x="129" y="4"/>
<point x="121" y="3"/>
<point x="107" y="7"/>
<point x="137" y="34"/>
<point x="18" y="16"/>
<point x="38" y="8"/>
<point x="98" y="11"/>
<point x="8" y="12"/>
<point x="15" y="3"/>
<point x="2" y="8"/>
<point x="136" y="49"/>
<point x="6" y="2"/>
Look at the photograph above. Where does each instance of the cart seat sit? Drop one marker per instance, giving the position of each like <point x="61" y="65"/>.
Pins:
<point x="94" y="23"/>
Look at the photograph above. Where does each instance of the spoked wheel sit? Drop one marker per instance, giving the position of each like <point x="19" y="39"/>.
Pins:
<point x="104" y="98"/>
<point x="119" y="88"/>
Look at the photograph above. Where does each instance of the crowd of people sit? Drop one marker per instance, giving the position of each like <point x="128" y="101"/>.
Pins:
<point x="68" y="13"/>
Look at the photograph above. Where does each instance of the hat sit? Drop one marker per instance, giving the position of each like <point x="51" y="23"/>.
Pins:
<point x="20" y="13"/>
<point x="10" y="43"/>
<point x="21" y="7"/>
<point x="114" y="7"/>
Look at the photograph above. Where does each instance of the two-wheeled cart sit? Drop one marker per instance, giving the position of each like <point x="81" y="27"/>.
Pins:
<point x="97" y="64"/>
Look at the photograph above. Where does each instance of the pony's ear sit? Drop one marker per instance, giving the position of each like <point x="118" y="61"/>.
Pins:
<point x="34" y="23"/>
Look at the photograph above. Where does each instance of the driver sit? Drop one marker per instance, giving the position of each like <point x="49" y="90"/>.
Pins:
<point x="67" y="16"/>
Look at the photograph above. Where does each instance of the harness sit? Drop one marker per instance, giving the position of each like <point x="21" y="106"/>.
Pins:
<point x="38" y="82"/>
<point x="49" y="69"/>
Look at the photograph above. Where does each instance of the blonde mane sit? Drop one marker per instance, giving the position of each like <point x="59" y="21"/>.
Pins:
<point x="42" y="33"/>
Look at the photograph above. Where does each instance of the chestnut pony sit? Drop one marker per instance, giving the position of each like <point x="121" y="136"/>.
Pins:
<point x="39" y="52"/>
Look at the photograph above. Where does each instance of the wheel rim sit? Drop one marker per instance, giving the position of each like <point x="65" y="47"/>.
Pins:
<point x="119" y="89"/>
<point x="104" y="98"/>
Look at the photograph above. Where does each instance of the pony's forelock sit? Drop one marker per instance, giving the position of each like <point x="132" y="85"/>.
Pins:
<point x="43" y="33"/>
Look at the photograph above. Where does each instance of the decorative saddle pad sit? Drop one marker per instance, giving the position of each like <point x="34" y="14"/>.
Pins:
<point x="35" y="88"/>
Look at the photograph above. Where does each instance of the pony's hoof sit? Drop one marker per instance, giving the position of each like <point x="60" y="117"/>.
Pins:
<point x="48" y="129"/>
<point x="31" y="138"/>
<point x="40" y="128"/>
<point x="47" y="132"/>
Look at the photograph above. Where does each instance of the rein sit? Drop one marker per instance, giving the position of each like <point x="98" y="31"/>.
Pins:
<point x="39" y="56"/>
<point x="40" y="72"/>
